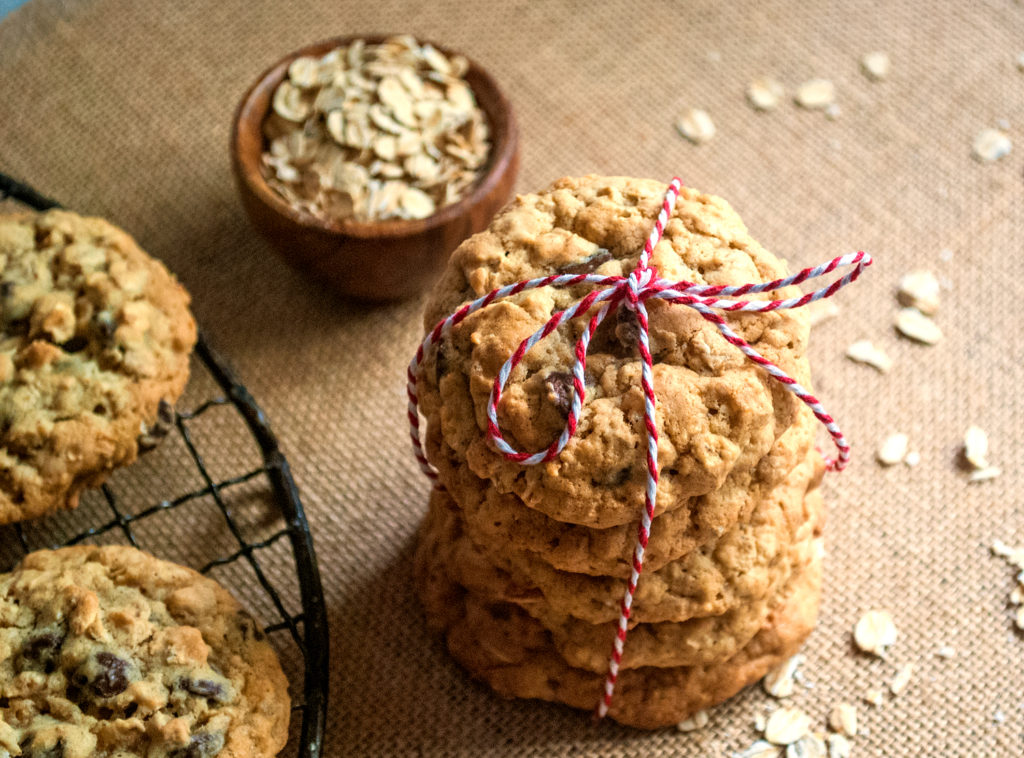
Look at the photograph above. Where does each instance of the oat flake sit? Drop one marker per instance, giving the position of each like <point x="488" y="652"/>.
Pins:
<point x="699" y="720"/>
<point x="787" y="725"/>
<point x="991" y="145"/>
<point x="816" y="94"/>
<point x="875" y="633"/>
<point x="892" y="450"/>
<point x="913" y="324"/>
<point x="875" y="65"/>
<point x="696" y="125"/>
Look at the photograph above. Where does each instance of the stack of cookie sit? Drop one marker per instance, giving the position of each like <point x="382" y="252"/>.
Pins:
<point x="524" y="567"/>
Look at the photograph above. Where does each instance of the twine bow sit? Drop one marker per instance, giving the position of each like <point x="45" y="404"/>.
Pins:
<point x="632" y="292"/>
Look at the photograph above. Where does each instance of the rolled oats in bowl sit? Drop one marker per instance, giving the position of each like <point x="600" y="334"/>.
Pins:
<point x="370" y="132"/>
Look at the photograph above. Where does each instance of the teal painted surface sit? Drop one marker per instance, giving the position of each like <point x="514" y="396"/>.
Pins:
<point x="6" y="6"/>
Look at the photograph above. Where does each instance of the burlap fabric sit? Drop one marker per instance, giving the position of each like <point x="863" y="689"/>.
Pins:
<point x="122" y="109"/>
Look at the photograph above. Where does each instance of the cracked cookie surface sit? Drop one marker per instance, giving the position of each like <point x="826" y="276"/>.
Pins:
<point x="110" y="652"/>
<point x="95" y="345"/>
<point x="504" y="646"/>
<point x="495" y="519"/>
<point x="717" y="412"/>
<point x="748" y="563"/>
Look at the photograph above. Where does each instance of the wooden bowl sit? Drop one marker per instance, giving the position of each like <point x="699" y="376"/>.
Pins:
<point x="383" y="260"/>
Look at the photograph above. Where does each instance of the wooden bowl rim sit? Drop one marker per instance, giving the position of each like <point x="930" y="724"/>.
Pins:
<point x="247" y="164"/>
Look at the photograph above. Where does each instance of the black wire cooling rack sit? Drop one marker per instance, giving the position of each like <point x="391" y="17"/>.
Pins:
<point x="252" y="518"/>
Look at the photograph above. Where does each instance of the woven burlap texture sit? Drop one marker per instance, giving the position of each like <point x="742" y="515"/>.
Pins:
<point x="122" y="109"/>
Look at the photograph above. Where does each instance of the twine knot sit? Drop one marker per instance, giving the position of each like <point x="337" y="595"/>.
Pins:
<point x="642" y="284"/>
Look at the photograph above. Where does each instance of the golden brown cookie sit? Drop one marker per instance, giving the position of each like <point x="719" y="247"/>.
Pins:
<point x="493" y="519"/>
<point x="94" y="353"/>
<point x="504" y="646"/>
<point x="748" y="563"/>
<point x="717" y="411"/>
<point x="689" y="642"/>
<point x="108" y="651"/>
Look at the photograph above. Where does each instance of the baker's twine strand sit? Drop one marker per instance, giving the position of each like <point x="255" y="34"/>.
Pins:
<point x="633" y="291"/>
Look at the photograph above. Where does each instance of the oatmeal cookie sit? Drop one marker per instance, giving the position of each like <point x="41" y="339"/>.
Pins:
<point x="748" y="563"/>
<point x="94" y="353"/>
<point x="717" y="412"/>
<point x="493" y="519"/>
<point x="504" y="646"/>
<point x="108" y="651"/>
<point x="689" y="642"/>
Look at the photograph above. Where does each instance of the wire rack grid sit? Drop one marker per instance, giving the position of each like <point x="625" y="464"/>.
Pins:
<point x="262" y="536"/>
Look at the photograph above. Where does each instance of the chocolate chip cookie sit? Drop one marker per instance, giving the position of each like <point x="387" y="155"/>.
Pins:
<point x="504" y="646"/>
<point x="108" y="651"/>
<point x="717" y="412"/>
<point x="95" y="345"/>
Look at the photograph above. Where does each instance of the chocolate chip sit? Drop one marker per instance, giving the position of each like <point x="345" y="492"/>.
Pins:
<point x="203" y="688"/>
<point x="627" y="328"/>
<point x="202" y="745"/>
<point x="42" y="651"/>
<point x="75" y="345"/>
<point x="6" y="289"/>
<point x="153" y="434"/>
<point x="113" y="675"/>
<point x="29" y="750"/>
<point x="249" y="628"/>
<point x="588" y="265"/>
<point x="560" y="389"/>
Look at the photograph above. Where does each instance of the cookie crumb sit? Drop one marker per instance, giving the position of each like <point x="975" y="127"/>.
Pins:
<point x="787" y="725"/>
<point x="838" y="746"/>
<point x="843" y="719"/>
<point x="875" y="633"/>
<point x="696" y="125"/>
<point x="760" y="721"/>
<point x="833" y="112"/>
<point x="876" y="65"/>
<point x="699" y="720"/>
<point x="902" y="679"/>
<point x="874" y="697"/>
<point x="765" y="93"/>
<point x="920" y="289"/>
<point x="912" y="458"/>
<point x="991" y="145"/>
<point x="816" y="94"/>
<point x="945" y="652"/>
<point x="779" y="682"/>
<point x="864" y="351"/>
<point x="913" y="324"/>
<point x="892" y="450"/>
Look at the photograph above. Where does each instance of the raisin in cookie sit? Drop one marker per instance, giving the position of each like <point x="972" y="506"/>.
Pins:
<point x="494" y="519"/>
<point x="504" y="646"/>
<point x="94" y="352"/>
<point x="748" y="563"/>
<point x="107" y="651"/>
<point x="717" y="411"/>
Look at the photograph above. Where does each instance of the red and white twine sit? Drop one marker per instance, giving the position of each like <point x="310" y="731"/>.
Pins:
<point x="632" y="292"/>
